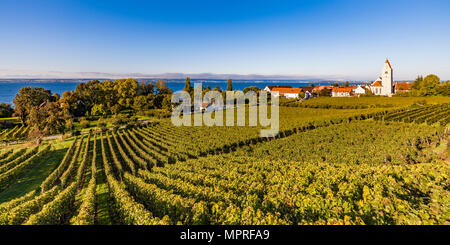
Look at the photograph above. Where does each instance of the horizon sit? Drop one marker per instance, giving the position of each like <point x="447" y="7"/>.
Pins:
<point x="327" y="40"/>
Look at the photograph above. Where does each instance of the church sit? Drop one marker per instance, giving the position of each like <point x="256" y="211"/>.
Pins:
<point x="384" y="85"/>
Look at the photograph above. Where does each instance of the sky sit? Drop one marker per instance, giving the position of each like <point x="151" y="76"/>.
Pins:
<point x="323" y="39"/>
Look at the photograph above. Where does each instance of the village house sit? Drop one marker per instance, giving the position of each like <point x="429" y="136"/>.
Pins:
<point x="318" y="89"/>
<point x="291" y="93"/>
<point x="269" y="88"/>
<point x="308" y="92"/>
<point x="403" y="87"/>
<point x="359" y="90"/>
<point x="341" y="92"/>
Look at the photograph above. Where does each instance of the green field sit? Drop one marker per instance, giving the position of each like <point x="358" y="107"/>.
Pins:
<point x="372" y="161"/>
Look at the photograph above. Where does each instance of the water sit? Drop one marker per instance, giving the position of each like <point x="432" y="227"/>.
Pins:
<point x="8" y="90"/>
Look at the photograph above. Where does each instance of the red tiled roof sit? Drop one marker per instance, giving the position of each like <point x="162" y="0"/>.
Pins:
<point x="345" y="90"/>
<point x="287" y="90"/>
<point x="403" y="86"/>
<point x="309" y="89"/>
<point x="376" y="84"/>
<point x="319" y="88"/>
<point x="279" y="86"/>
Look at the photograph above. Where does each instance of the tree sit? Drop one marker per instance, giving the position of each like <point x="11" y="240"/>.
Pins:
<point x="142" y="103"/>
<point x="29" y="98"/>
<point x="417" y="83"/>
<point x="87" y="95"/>
<point x="39" y="108"/>
<point x="126" y="90"/>
<point x="6" y="110"/>
<point x="98" y="110"/>
<point x="161" y="84"/>
<point x="110" y="97"/>
<point x="47" y="118"/>
<point x="71" y="105"/>
<point x="146" y="89"/>
<point x="229" y="85"/>
<point x="162" y="88"/>
<point x="347" y="84"/>
<point x="187" y="85"/>
<point x="430" y="85"/>
<point x="444" y="89"/>
<point x="251" y="88"/>
<point x="325" y="92"/>
<point x="301" y="95"/>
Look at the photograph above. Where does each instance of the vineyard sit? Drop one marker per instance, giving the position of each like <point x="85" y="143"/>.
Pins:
<point x="14" y="134"/>
<point x="361" y="102"/>
<point x="339" y="167"/>
<point x="439" y="113"/>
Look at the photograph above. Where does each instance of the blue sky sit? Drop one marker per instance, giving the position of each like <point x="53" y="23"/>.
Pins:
<point x="345" y="39"/>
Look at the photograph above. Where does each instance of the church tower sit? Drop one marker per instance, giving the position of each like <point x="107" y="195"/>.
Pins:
<point x="387" y="79"/>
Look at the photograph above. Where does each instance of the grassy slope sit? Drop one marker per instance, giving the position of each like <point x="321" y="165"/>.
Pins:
<point x="33" y="178"/>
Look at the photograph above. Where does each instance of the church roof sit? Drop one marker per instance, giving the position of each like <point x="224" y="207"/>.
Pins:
<point x="387" y="61"/>
<point x="376" y="84"/>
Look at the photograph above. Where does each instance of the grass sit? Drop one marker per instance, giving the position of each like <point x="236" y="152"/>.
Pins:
<point x="33" y="178"/>
<point x="92" y="125"/>
<point x="102" y="198"/>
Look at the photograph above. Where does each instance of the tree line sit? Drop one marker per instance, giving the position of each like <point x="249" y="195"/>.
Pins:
<point x="50" y="113"/>
<point x="429" y="86"/>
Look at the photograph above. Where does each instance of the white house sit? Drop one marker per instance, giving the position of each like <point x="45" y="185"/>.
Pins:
<point x="269" y="88"/>
<point x="341" y="92"/>
<point x="359" y="90"/>
<point x="291" y="93"/>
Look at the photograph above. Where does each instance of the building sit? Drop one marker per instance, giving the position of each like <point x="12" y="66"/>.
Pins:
<point x="384" y="85"/>
<point x="403" y="87"/>
<point x="291" y="93"/>
<point x="350" y="91"/>
<point x="359" y="90"/>
<point x="269" y="88"/>
<point x="307" y="89"/>
<point x="342" y="92"/>
<point x="318" y="89"/>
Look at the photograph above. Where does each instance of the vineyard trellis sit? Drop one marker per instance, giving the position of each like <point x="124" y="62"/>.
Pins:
<point x="331" y="170"/>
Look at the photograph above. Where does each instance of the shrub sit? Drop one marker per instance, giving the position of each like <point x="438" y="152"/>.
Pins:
<point x="101" y="123"/>
<point x="84" y="123"/>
